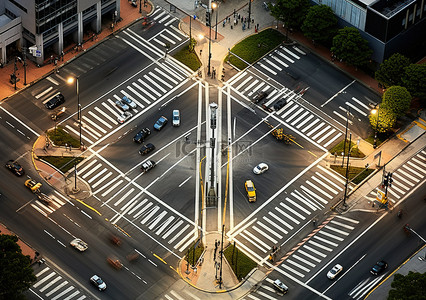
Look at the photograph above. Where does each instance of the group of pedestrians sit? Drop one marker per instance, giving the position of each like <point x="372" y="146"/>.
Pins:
<point x="245" y="21"/>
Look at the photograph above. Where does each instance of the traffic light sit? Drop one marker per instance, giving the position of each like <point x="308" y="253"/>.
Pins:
<point x="386" y="179"/>
<point x="390" y="180"/>
<point x="207" y="18"/>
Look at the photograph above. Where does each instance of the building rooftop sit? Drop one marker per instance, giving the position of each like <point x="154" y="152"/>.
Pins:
<point x="388" y="8"/>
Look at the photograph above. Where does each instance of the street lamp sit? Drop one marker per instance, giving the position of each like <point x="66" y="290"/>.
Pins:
<point x="347" y="167"/>
<point x="214" y="6"/>
<point x="376" y="110"/>
<point x="71" y="81"/>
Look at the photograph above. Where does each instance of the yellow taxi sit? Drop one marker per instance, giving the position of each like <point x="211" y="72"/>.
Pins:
<point x="251" y="191"/>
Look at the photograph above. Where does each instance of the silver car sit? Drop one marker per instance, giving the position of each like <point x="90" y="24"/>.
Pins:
<point x="121" y="105"/>
<point x="129" y="102"/>
<point x="79" y="245"/>
<point x="260" y="168"/>
<point x="124" y="117"/>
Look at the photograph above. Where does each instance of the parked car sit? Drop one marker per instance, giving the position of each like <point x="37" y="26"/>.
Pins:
<point x="334" y="271"/>
<point x="260" y="168"/>
<point x="146" y="149"/>
<point x="280" y="104"/>
<point x="141" y="135"/>
<point x="129" y="102"/>
<point x="379" y="267"/>
<point x="122" y="105"/>
<point x="124" y="117"/>
<point x="98" y="282"/>
<point x="281" y="287"/>
<point x="251" y="191"/>
<point x="176" y="118"/>
<point x="161" y="122"/>
<point x="55" y="101"/>
<point x="259" y="97"/>
<point x="15" y="168"/>
<point x="79" y="245"/>
<point x="148" y="165"/>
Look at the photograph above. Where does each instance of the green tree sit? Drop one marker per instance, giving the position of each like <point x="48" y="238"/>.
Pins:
<point x="386" y="121"/>
<point x="414" y="80"/>
<point x="16" y="274"/>
<point x="320" y="24"/>
<point x="290" y="12"/>
<point x="412" y="286"/>
<point x="397" y="100"/>
<point x="349" y="46"/>
<point x="391" y="70"/>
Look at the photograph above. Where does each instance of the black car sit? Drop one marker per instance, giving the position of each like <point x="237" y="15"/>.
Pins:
<point x="141" y="135"/>
<point x="280" y="104"/>
<point x="259" y="97"/>
<point x="379" y="267"/>
<point x="146" y="149"/>
<point x="55" y="101"/>
<point x="15" y="168"/>
<point x="148" y="165"/>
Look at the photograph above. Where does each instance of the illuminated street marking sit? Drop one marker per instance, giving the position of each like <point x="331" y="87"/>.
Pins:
<point x="309" y="255"/>
<point x="293" y="211"/>
<point x="257" y="242"/>
<point x="262" y="233"/>
<point x="336" y="230"/>
<point x="314" y="251"/>
<point x="279" y="61"/>
<point x="280" y="228"/>
<point x="326" y="135"/>
<point x="165" y="75"/>
<point x="330" y="235"/>
<point x="285" y="56"/>
<point x="297" y="265"/>
<point x="281" y="220"/>
<point x="289" y="52"/>
<point x="310" y="125"/>
<point x="269" y="229"/>
<point x="92" y="170"/>
<point x="99" y="119"/>
<point x="287" y="215"/>
<point x="304" y="260"/>
<point x="133" y="98"/>
<point x="320" y="245"/>
<point x="145" y="92"/>
<point x="41" y="281"/>
<point x="298" y="206"/>
<point x="319" y="189"/>
<point x="292" y="270"/>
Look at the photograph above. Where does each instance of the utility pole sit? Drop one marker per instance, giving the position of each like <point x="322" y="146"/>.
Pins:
<point x="249" y="15"/>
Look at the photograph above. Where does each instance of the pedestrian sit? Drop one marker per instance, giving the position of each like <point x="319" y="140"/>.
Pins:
<point x="215" y="244"/>
<point x="238" y="16"/>
<point x="201" y="51"/>
<point x="62" y="55"/>
<point x="235" y="21"/>
<point x="257" y="26"/>
<point x="234" y="12"/>
<point x="224" y="22"/>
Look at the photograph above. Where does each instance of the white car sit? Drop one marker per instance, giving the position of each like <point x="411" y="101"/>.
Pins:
<point x="98" y="282"/>
<point x="334" y="271"/>
<point x="260" y="168"/>
<point x="280" y="286"/>
<point x="79" y="245"/>
<point x="129" y="102"/>
<point x="122" y="105"/>
<point x="176" y="118"/>
<point x="124" y="117"/>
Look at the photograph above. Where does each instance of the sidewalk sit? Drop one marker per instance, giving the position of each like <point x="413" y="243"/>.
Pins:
<point x="34" y="73"/>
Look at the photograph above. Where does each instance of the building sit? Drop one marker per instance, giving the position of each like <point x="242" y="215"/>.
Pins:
<point x="389" y="26"/>
<point x="42" y="28"/>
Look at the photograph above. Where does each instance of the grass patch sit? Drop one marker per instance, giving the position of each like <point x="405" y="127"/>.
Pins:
<point x="241" y="264"/>
<point x="356" y="175"/>
<point x="62" y="163"/>
<point x="249" y="50"/>
<point x="381" y="137"/>
<point x="59" y="137"/>
<point x="188" y="58"/>
<point x="354" y="153"/>
<point x="189" y="257"/>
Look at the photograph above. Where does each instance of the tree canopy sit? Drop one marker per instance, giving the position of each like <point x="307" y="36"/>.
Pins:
<point x="414" y="80"/>
<point x="349" y="46"/>
<point x="291" y="12"/>
<point x="390" y="72"/>
<point x="16" y="274"/>
<point x="397" y="100"/>
<point x="386" y="121"/>
<point x="320" y="24"/>
<point x="410" y="287"/>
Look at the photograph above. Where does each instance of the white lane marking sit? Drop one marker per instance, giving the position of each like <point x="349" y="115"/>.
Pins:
<point x="417" y="167"/>
<point x="280" y="220"/>
<point x="179" y="233"/>
<point x="185" y="181"/>
<point x="99" y="119"/>
<point x="52" y="80"/>
<point x="280" y="228"/>
<point x="137" y="206"/>
<point x="171" y="230"/>
<point x="279" y="61"/>
<point x="314" y="251"/>
<point x="244" y="82"/>
<point x="408" y="175"/>
<point x="300" y="118"/>
<point x="305" y="121"/>
<point x="292" y="270"/>
<point x="348" y="219"/>
<point x="143" y="91"/>
<point x="338" y="93"/>
<point x="298" y="206"/>
<point x="57" y="288"/>
<point x="92" y="170"/>
<point x="111" y="188"/>
<point x="251" y="85"/>
<point x="160" y="80"/>
<point x="315" y="129"/>
<point x="50" y="283"/>
<point x="320" y="246"/>
<point x="324" y="184"/>
<point x="78" y="133"/>
<point x="141" y="212"/>
<point x="106" y="115"/>
<point x="133" y="98"/>
<point x="313" y="195"/>
<point x="272" y="64"/>
<point x="41" y="281"/>
<point x="356" y="108"/>
<point x="294" y="115"/>
<point x="268" y="69"/>
<point x="262" y="233"/>
<point x="318" y="189"/>
<point x="412" y="171"/>
<point x="258" y="241"/>
<point x="154" y="83"/>
<point x="42" y="272"/>
<point x="150" y="214"/>
<point x="304" y="200"/>
<point x="297" y="265"/>
<point x="342" y="225"/>
<point x="287" y="215"/>
<point x="111" y="110"/>
<point x="332" y="140"/>
<point x="310" y="125"/>
<point x="332" y="174"/>
<point x="336" y="230"/>
<point x="20" y="122"/>
<point x="86" y="214"/>
<point x="309" y="255"/>
<point x="360" y="103"/>
<point x="321" y="133"/>
<point x="166" y="76"/>
<point x="270" y="230"/>
<point x="343" y="117"/>
<point x="325" y="241"/>
<point x="293" y="211"/>
<point x="167" y="38"/>
<point x="124" y="197"/>
<point x="63" y="293"/>
<point x="44" y="92"/>
<point x="164" y="225"/>
<point x="304" y="260"/>
<point x="157" y="219"/>
<point x="285" y="56"/>
<point x="291" y="53"/>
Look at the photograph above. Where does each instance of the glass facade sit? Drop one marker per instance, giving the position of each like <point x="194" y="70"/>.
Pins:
<point x="50" y="13"/>
<point x="349" y="11"/>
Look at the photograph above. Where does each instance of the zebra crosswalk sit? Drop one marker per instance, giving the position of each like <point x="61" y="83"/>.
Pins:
<point x="53" y="285"/>
<point x="362" y="288"/>
<point x="56" y="201"/>
<point x="131" y="203"/>
<point x="405" y="177"/>
<point x="258" y="235"/>
<point x="293" y="114"/>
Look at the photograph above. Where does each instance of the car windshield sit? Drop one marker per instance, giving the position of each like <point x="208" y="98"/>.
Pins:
<point x="250" y="188"/>
<point x="333" y="271"/>
<point x="160" y="122"/>
<point x="175" y="117"/>
<point x="99" y="281"/>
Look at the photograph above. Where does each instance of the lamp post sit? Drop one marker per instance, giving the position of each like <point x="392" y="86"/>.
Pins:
<point x="70" y="81"/>
<point x="214" y="7"/>
<point x="374" y="111"/>
<point x="210" y="43"/>
<point x="345" y="196"/>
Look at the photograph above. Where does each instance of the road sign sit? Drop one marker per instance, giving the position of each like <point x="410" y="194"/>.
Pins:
<point x="381" y="197"/>
<point x="37" y="53"/>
